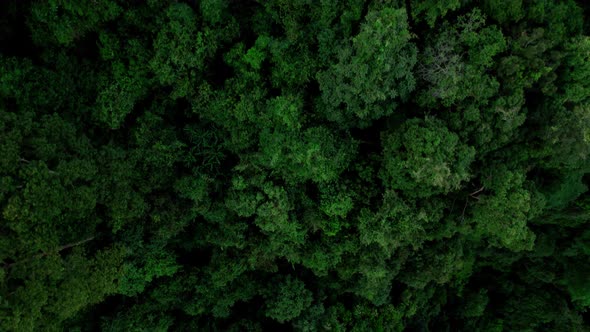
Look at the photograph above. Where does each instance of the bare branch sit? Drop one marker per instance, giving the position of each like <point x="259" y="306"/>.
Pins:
<point x="64" y="247"/>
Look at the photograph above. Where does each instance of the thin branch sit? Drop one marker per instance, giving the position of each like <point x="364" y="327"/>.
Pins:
<point x="453" y="205"/>
<point x="464" y="208"/>
<point x="477" y="191"/>
<point x="64" y="247"/>
<point x="70" y="245"/>
<point x="472" y="195"/>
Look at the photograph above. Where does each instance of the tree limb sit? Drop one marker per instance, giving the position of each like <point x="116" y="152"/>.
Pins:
<point x="66" y="246"/>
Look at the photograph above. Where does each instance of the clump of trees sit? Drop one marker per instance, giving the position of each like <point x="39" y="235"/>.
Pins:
<point x="294" y="165"/>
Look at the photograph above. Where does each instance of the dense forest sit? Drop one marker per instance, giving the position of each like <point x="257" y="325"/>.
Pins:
<point x="294" y="165"/>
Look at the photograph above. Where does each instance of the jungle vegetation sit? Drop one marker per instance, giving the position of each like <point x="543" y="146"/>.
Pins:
<point x="294" y="165"/>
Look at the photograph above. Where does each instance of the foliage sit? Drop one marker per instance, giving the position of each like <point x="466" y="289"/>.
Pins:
<point x="296" y="165"/>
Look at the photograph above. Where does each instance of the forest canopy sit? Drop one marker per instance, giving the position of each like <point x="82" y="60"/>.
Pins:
<point x="295" y="165"/>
